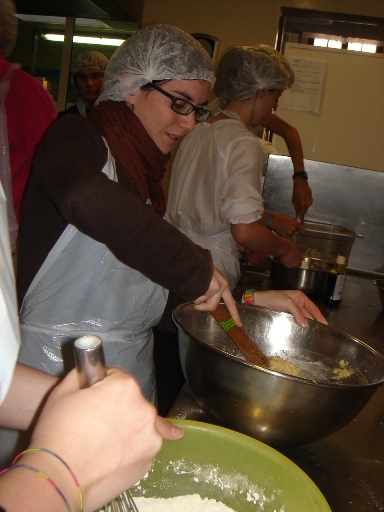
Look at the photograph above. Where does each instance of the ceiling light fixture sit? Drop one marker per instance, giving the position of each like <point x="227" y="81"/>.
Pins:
<point x="104" y="41"/>
<point x="60" y="20"/>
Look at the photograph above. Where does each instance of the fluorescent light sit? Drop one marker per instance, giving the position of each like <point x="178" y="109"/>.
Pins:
<point x="53" y="37"/>
<point x="85" y="40"/>
<point x="98" y="40"/>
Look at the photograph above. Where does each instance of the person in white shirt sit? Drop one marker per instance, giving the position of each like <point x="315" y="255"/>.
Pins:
<point x="302" y="193"/>
<point x="214" y="195"/>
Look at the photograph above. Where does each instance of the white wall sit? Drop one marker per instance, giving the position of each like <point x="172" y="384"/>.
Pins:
<point x="349" y="128"/>
<point x="244" y="21"/>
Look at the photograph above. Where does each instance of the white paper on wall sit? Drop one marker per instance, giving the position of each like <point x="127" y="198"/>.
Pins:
<point x="308" y="89"/>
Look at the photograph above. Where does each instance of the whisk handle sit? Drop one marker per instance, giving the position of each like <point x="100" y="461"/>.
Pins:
<point x="90" y="360"/>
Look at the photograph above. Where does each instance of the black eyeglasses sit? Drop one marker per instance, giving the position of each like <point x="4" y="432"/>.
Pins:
<point x="184" y="107"/>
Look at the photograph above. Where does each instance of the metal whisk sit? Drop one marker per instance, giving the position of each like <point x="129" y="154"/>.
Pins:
<point x="123" y="503"/>
<point x="127" y="499"/>
<point x="90" y="364"/>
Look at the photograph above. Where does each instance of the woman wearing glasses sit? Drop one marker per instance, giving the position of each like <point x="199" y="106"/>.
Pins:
<point x="96" y="255"/>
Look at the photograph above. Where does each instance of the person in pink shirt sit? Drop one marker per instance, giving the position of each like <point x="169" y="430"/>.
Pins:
<point x="29" y="108"/>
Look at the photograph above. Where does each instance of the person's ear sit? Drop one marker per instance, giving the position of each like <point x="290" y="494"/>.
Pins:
<point x="131" y="100"/>
<point x="261" y="94"/>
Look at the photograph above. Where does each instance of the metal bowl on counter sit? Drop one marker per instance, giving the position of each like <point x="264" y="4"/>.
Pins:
<point x="340" y="374"/>
<point x="311" y="277"/>
<point x="379" y="283"/>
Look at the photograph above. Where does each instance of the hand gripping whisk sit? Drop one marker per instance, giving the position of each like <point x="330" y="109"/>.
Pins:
<point x="90" y="364"/>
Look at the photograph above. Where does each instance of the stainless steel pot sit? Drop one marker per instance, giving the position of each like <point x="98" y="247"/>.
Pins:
<point x="311" y="278"/>
<point x="325" y="241"/>
<point x="275" y="408"/>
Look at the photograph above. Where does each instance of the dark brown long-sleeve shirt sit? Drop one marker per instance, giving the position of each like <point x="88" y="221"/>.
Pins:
<point x="67" y="186"/>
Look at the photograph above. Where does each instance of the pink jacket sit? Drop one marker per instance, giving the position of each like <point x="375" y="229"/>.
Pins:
<point x="30" y="110"/>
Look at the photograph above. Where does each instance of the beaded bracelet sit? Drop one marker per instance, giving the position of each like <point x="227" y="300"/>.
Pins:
<point x="40" y="473"/>
<point x="62" y="461"/>
<point x="248" y="297"/>
<point x="270" y="220"/>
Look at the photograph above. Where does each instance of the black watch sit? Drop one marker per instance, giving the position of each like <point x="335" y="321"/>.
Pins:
<point x="300" y="173"/>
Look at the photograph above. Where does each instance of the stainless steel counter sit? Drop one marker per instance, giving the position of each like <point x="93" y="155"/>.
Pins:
<point x="348" y="466"/>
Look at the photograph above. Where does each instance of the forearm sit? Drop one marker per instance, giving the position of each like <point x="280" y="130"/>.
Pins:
<point x="266" y="219"/>
<point x="295" y="149"/>
<point x="24" y="489"/>
<point x="256" y="237"/>
<point x="291" y="137"/>
<point x="25" y="398"/>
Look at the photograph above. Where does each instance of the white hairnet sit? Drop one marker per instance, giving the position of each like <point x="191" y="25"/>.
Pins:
<point x="156" y="52"/>
<point x="244" y="70"/>
<point x="89" y="59"/>
<point x="8" y="26"/>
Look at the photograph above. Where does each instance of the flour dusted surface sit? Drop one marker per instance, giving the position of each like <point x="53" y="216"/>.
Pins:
<point x="183" y="475"/>
<point x="189" y="503"/>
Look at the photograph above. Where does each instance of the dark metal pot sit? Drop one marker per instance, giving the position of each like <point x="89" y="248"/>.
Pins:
<point x="311" y="278"/>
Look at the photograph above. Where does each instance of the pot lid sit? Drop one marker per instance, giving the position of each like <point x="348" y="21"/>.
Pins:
<point x="332" y="231"/>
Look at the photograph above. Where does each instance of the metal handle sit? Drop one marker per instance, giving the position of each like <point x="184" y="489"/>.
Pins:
<point x="90" y="360"/>
<point x="90" y="364"/>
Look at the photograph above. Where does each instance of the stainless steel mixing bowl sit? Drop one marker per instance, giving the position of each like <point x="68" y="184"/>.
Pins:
<point x="275" y="408"/>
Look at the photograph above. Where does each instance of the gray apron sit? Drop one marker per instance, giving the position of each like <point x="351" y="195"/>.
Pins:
<point x="82" y="289"/>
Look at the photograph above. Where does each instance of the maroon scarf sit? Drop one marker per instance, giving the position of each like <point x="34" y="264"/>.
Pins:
<point x="134" y="149"/>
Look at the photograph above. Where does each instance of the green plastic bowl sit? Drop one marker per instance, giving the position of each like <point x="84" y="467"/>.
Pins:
<point x="237" y="470"/>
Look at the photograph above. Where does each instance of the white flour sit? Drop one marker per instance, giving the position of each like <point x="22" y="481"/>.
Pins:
<point x="231" y="486"/>
<point x="189" y="503"/>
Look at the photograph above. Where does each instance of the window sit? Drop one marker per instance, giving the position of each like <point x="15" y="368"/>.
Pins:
<point x="332" y="43"/>
<point x="330" y="30"/>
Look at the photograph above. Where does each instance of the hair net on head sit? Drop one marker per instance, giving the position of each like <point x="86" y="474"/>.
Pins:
<point x="8" y="26"/>
<point x="156" y="52"/>
<point x="244" y="70"/>
<point x="89" y="59"/>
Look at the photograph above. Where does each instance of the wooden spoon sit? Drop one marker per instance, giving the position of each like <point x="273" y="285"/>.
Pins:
<point x="247" y="347"/>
